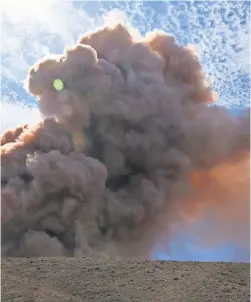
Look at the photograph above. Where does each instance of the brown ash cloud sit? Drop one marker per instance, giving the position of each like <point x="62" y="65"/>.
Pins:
<point x="127" y="150"/>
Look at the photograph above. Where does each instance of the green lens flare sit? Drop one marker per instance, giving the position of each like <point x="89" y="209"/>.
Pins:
<point x="58" y="84"/>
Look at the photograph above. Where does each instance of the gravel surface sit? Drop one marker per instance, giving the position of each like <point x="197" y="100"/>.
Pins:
<point x="71" y="279"/>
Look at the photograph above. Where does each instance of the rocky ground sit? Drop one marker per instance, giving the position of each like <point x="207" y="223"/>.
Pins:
<point x="70" y="279"/>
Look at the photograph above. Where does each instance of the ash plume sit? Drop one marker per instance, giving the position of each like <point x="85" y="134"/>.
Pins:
<point x="128" y="149"/>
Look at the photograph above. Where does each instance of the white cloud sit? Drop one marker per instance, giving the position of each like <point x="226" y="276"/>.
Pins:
<point x="16" y="114"/>
<point x="32" y="29"/>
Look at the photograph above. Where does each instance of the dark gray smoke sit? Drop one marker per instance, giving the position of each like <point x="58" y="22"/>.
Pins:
<point x="133" y="150"/>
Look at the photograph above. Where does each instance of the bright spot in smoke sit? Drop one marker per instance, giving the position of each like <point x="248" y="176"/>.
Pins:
<point x="58" y="84"/>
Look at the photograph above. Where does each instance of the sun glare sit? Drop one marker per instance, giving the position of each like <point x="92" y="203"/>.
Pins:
<point x="26" y="9"/>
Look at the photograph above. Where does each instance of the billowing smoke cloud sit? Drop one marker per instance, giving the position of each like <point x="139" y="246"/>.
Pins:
<point x="127" y="150"/>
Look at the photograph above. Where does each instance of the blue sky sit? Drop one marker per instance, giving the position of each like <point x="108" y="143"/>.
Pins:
<point x="219" y="29"/>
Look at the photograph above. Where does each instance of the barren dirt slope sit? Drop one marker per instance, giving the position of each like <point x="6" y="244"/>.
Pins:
<point x="70" y="279"/>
